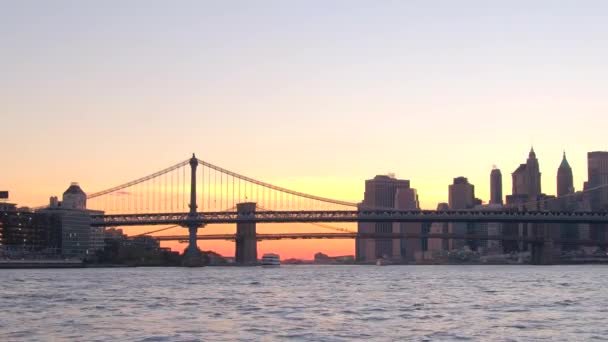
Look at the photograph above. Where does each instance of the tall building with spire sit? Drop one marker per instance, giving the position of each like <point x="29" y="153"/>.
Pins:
<point x="565" y="182"/>
<point x="526" y="195"/>
<point x="495" y="186"/>
<point x="533" y="175"/>
<point x="526" y="183"/>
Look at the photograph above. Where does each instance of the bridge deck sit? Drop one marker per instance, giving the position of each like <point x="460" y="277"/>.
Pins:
<point x="282" y="236"/>
<point x="471" y="216"/>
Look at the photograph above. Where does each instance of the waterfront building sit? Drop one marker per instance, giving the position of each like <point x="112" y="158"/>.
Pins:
<point x="490" y="229"/>
<point x="24" y="234"/>
<point x="496" y="186"/>
<point x="78" y="238"/>
<point x="324" y="259"/>
<point x="597" y="179"/>
<point x="387" y="192"/>
<point x="409" y="249"/>
<point x="596" y="188"/>
<point x="5" y="206"/>
<point x="461" y="196"/>
<point x="439" y="246"/>
<point x="526" y="191"/>
<point x="526" y="195"/>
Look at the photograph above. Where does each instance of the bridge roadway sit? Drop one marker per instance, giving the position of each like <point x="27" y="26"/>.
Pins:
<point x="281" y="236"/>
<point x="472" y="216"/>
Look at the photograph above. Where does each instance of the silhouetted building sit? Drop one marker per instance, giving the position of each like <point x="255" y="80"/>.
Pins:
<point x="385" y="192"/>
<point x="79" y="239"/>
<point x="28" y="232"/>
<point x="74" y="198"/>
<point x="488" y="229"/>
<point x="496" y="186"/>
<point x="321" y="258"/>
<point x="526" y="184"/>
<point x="438" y="245"/>
<point x="597" y="190"/>
<point x="409" y="249"/>
<point x="565" y="181"/>
<point x="4" y="206"/>
<point x="597" y="181"/>
<point x="461" y="196"/>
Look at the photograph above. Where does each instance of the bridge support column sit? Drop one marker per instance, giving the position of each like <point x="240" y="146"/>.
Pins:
<point x="192" y="255"/>
<point x="246" y="252"/>
<point x="543" y="251"/>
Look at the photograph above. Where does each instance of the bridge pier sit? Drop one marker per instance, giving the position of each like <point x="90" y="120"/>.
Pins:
<point x="246" y="250"/>
<point x="542" y="252"/>
<point x="192" y="255"/>
<point x="192" y="249"/>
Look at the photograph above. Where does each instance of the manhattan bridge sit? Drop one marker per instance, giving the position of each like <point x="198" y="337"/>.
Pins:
<point x="194" y="193"/>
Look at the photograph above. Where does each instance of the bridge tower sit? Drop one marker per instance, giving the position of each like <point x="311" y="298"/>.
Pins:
<point x="192" y="255"/>
<point x="246" y="242"/>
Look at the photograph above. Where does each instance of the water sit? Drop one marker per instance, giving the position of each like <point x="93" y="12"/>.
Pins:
<point x="307" y="303"/>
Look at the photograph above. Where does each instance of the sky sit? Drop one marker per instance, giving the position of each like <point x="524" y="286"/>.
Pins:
<point x="307" y="95"/>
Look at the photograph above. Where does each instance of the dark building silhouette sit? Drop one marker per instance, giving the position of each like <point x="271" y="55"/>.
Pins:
<point x="79" y="239"/>
<point x="28" y="232"/>
<point x="386" y="192"/>
<point x="438" y="245"/>
<point x="597" y="190"/>
<point x="565" y="182"/>
<point x="526" y="184"/>
<point x="496" y="186"/>
<point x="597" y="179"/>
<point x="461" y="196"/>
<point x="526" y="195"/>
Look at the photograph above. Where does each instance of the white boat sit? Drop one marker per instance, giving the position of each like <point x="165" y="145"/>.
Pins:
<point x="271" y="260"/>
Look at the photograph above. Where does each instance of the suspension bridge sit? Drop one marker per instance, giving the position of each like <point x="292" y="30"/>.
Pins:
<point x="195" y="193"/>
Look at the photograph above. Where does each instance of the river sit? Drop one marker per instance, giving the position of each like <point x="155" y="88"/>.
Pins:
<point x="306" y="303"/>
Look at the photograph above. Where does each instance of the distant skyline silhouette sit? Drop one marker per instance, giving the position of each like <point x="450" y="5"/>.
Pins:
<point x="314" y="95"/>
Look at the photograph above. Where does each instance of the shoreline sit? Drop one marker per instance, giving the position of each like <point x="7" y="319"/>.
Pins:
<point x="22" y="264"/>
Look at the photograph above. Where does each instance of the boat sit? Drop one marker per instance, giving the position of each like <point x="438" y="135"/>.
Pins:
<point x="271" y="260"/>
<point x="380" y="262"/>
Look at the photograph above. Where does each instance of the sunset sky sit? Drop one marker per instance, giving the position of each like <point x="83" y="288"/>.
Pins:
<point x="315" y="96"/>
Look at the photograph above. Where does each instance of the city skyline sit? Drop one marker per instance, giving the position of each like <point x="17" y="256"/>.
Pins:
<point x="483" y="91"/>
<point x="548" y="184"/>
<point x="302" y="249"/>
<point x="245" y="170"/>
<point x="316" y="97"/>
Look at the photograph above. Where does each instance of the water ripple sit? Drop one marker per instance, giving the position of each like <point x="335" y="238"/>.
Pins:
<point x="306" y="303"/>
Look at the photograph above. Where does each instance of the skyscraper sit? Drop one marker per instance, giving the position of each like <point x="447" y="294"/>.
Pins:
<point x="384" y="192"/>
<point x="533" y="176"/>
<point x="526" y="183"/>
<point x="565" y="182"/>
<point x="526" y="195"/>
<point x="461" y="196"/>
<point x="495" y="186"/>
<point x="597" y="181"/>
<point x="438" y="245"/>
